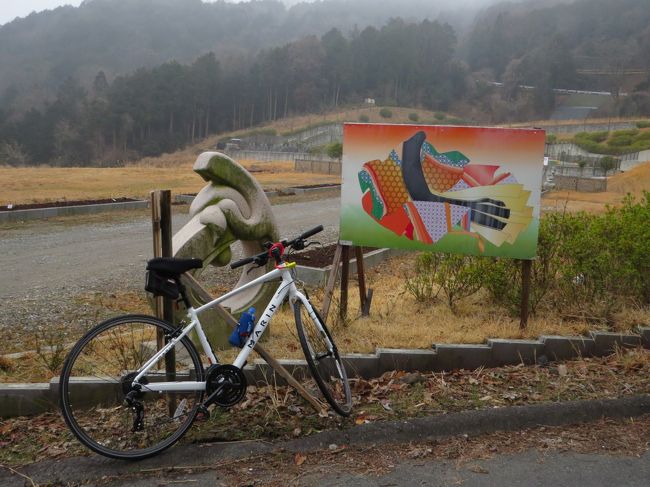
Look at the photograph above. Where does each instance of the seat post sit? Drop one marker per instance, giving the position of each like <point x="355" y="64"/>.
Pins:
<point x="183" y="292"/>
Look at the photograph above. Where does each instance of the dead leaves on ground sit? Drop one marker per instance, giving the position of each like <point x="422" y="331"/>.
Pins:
<point x="270" y="412"/>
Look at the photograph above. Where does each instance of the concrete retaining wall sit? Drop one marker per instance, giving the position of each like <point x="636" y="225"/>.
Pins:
<point x="578" y="183"/>
<point x="30" y="399"/>
<point x="332" y="166"/>
<point x="42" y="213"/>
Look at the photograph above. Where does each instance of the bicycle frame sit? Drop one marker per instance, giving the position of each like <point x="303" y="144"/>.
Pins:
<point x="286" y="287"/>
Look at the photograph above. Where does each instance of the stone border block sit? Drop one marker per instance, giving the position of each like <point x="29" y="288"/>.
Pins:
<point x="469" y="357"/>
<point x="561" y="348"/>
<point x="43" y="213"/>
<point x="366" y="366"/>
<point x="606" y="342"/>
<point x="644" y="332"/>
<point x="509" y="352"/>
<point x="261" y="373"/>
<point x="25" y="400"/>
<point x="406" y="360"/>
<point x="321" y="189"/>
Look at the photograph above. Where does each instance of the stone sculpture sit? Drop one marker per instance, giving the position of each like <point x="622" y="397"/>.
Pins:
<point x="231" y="207"/>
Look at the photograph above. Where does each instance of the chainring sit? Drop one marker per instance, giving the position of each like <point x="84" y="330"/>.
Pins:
<point x="225" y="385"/>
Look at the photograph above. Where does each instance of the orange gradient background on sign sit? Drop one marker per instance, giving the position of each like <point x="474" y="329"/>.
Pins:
<point x="480" y="145"/>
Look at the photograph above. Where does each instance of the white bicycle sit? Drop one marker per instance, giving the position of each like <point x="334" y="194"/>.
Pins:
<point x="133" y="385"/>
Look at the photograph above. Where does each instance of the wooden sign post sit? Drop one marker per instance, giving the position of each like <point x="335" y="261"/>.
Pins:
<point x="526" y="272"/>
<point x="342" y="259"/>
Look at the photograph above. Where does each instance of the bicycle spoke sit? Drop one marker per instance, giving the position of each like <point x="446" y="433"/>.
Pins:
<point x="111" y="354"/>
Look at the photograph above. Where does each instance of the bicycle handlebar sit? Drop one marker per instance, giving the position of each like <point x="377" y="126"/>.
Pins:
<point x="262" y="257"/>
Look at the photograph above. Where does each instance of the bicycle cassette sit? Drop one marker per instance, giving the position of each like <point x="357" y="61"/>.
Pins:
<point x="225" y="385"/>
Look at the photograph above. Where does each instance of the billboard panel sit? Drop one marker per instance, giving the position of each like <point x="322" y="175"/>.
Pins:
<point x="467" y="190"/>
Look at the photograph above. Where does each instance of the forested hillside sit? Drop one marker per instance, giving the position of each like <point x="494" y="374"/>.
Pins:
<point x="161" y="109"/>
<point x="120" y="79"/>
<point x="119" y="36"/>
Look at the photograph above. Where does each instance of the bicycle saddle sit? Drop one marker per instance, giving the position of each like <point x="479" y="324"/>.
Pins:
<point x="172" y="266"/>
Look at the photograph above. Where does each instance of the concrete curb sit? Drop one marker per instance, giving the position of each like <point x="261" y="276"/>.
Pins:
<point x="43" y="213"/>
<point x="31" y="399"/>
<point x="188" y="198"/>
<point x="472" y="423"/>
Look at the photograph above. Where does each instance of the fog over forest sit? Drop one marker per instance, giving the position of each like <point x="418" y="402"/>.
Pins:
<point x="120" y="79"/>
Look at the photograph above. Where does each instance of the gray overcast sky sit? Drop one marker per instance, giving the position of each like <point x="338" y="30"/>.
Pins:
<point x="10" y="9"/>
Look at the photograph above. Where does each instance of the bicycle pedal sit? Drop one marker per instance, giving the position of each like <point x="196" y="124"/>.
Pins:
<point x="203" y="414"/>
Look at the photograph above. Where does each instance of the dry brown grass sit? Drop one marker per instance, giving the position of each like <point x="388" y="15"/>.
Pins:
<point x="543" y="123"/>
<point x="44" y="184"/>
<point x="397" y="320"/>
<point x="634" y="182"/>
<point x="400" y="115"/>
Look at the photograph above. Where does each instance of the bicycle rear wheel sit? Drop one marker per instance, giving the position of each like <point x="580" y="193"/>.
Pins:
<point x="323" y="359"/>
<point x="98" y="373"/>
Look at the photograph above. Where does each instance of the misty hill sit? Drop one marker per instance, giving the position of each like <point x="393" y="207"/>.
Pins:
<point x="597" y="33"/>
<point x="115" y="80"/>
<point x="39" y="52"/>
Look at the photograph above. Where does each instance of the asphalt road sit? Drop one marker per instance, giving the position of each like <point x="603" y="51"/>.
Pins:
<point x="43" y="257"/>
<point x="529" y="469"/>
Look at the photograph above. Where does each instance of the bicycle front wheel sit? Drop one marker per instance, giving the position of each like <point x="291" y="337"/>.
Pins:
<point x="323" y="359"/>
<point x="98" y="373"/>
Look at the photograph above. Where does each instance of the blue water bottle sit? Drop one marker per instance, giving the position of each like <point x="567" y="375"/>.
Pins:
<point x="243" y="330"/>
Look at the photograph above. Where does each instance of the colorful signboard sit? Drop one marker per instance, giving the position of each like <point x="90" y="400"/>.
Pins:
<point x="467" y="190"/>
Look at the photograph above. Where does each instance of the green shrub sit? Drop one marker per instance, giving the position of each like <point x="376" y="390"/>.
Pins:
<point x="423" y="284"/>
<point x="363" y="118"/>
<point x="620" y="141"/>
<point x="439" y="116"/>
<point x="414" y="117"/>
<point x="608" y="163"/>
<point x="334" y="150"/>
<point x="385" y="113"/>
<point x="643" y="124"/>
<point x="598" y="136"/>
<point x="630" y="132"/>
<point x="457" y="276"/>
<point x="587" y="266"/>
<point x="551" y="138"/>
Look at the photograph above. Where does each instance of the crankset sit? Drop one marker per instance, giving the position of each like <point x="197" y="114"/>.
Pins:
<point x="225" y="385"/>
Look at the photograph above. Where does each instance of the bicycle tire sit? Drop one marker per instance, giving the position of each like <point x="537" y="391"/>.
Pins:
<point x="96" y="413"/>
<point x="320" y="351"/>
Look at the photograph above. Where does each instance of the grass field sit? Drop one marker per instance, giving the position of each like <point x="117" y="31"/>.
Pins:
<point x="43" y="184"/>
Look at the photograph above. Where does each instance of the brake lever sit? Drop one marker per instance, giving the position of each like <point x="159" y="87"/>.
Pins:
<point x="260" y="262"/>
<point x="312" y="243"/>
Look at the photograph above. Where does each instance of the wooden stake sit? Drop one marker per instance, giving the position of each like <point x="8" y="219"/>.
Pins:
<point x="331" y="282"/>
<point x="161" y="215"/>
<point x="194" y="285"/>
<point x="157" y="252"/>
<point x="526" y="271"/>
<point x="345" y="275"/>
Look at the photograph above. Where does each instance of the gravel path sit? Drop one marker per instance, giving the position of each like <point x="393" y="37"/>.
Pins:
<point x="45" y="268"/>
